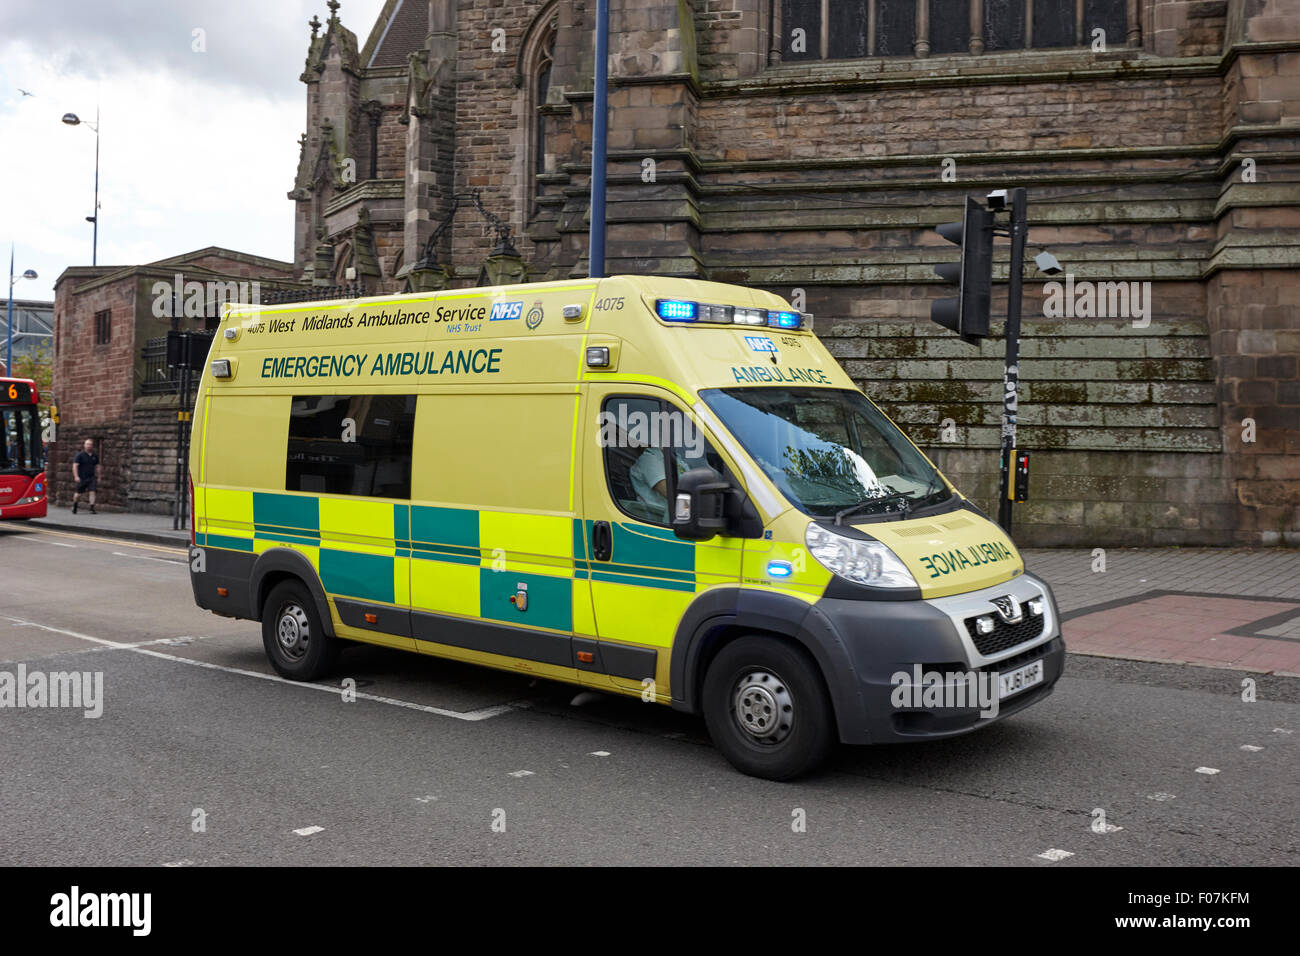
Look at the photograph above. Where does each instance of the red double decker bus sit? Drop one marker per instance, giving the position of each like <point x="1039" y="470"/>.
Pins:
<point x="23" y="488"/>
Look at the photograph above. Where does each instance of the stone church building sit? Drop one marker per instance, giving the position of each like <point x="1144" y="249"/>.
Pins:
<point x="809" y="147"/>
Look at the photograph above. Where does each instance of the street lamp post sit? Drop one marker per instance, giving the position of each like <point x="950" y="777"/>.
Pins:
<point x="72" y="119"/>
<point x="9" y="335"/>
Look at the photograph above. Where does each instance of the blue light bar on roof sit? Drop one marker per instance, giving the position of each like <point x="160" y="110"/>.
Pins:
<point x="783" y="320"/>
<point x="675" y="310"/>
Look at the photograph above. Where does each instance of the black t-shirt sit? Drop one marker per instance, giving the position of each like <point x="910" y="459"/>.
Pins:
<point x="86" y="463"/>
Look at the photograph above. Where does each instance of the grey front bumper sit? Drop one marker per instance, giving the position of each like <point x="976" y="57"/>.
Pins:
<point x="885" y="638"/>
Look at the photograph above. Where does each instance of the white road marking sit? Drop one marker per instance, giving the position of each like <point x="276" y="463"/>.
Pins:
<point x="57" y="544"/>
<point x="599" y="753"/>
<point x="308" y="831"/>
<point x="105" y="645"/>
<point x="1108" y="828"/>
<point x="1251" y="748"/>
<point x="145" y="557"/>
<point x="483" y="713"/>
<point x="1282" y="730"/>
<point x="1054" y="855"/>
<point x="19" y="622"/>
<point x="521" y="773"/>
<point x="1208" y="771"/>
<point x="180" y="863"/>
<point x="1161" y="797"/>
<point x="426" y="799"/>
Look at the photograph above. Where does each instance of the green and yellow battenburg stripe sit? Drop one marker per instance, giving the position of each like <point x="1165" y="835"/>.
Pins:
<point x="469" y="563"/>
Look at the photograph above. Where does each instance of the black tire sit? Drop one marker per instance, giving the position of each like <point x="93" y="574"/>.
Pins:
<point x="775" y="689"/>
<point x="295" y="641"/>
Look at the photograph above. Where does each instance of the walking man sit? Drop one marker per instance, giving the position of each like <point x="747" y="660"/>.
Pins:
<point x="85" y="472"/>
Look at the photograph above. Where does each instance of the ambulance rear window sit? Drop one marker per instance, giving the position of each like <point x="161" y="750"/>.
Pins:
<point x="350" y="445"/>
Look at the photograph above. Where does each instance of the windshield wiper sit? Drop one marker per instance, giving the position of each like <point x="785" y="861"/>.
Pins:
<point x="907" y="505"/>
<point x="930" y="488"/>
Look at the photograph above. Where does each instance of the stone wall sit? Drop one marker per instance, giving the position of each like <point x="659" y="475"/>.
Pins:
<point x="491" y="123"/>
<point x="1121" y="423"/>
<point x="154" y="449"/>
<point x="92" y="385"/>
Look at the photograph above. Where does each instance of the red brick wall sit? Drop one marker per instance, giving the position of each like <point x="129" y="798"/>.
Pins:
<point x="93" y="386"/>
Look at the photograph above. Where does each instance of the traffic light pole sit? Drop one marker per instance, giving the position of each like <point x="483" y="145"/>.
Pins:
<point x="599" y="125"/>
<point x="1011" y="376"/>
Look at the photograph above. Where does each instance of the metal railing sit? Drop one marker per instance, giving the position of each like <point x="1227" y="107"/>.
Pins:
<point x="160" y="377"/>
<point x="315" y="293"/>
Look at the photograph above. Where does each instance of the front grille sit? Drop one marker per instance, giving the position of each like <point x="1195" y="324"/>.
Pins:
<point x="1004" y="635"/>
<point x="1016" y="660"/>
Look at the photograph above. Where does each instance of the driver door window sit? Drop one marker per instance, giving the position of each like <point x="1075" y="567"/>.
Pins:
<point x="647" y="444"/>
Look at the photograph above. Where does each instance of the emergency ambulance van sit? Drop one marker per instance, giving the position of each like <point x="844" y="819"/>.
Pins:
<point x="662" y="488"/>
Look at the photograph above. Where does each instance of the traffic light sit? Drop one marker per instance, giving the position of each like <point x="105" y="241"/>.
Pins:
<point x="1018" y="487"/>
<point x="186" y="348"/>
<point x="968" y="313"/>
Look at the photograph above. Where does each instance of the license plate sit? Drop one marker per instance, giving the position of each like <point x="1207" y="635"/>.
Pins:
<point x="1013" y="682"/>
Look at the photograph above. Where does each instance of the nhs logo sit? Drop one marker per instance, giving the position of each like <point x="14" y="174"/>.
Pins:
<point x="506" y="310"/>
<point x="760" y="343"/>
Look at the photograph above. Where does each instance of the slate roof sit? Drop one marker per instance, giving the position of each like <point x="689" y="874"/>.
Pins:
<point x="404" y="33"/>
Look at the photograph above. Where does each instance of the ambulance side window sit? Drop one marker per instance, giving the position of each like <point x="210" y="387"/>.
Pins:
<point x="647" y="443"/>
<point x="350" y="445"/>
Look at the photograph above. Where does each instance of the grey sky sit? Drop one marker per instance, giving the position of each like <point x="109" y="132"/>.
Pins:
<point x="196" y="149"/>
<point x="257" y="46"/>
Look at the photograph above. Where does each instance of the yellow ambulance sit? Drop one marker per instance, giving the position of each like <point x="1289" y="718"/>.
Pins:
<point x="663" y="488"/>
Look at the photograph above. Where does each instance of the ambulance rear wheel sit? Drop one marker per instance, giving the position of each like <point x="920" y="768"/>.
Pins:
<point x="295" y="642"/>
<point x="767" y="709"/>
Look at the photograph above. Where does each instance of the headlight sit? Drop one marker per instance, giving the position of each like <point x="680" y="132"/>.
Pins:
<point x="862" y="562"/>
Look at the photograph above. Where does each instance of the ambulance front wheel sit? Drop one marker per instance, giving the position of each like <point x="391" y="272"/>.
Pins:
<point x="767" y="709"/>
<point x="295" y="642"/>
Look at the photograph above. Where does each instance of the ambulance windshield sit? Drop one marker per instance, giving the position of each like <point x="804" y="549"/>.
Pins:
<point x="829" y="451"/>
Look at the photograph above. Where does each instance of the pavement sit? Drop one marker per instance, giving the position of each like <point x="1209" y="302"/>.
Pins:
<point x="1235" y="608"/>
<point x="153" y="529"/>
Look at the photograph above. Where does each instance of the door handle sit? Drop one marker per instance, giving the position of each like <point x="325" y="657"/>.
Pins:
<point x="602" y="541"/>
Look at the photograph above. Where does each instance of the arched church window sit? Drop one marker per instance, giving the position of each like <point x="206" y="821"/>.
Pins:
<point x="542" y="86"/>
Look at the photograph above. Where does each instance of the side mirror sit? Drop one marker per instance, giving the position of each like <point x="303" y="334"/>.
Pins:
<point x="699" y="509"/>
